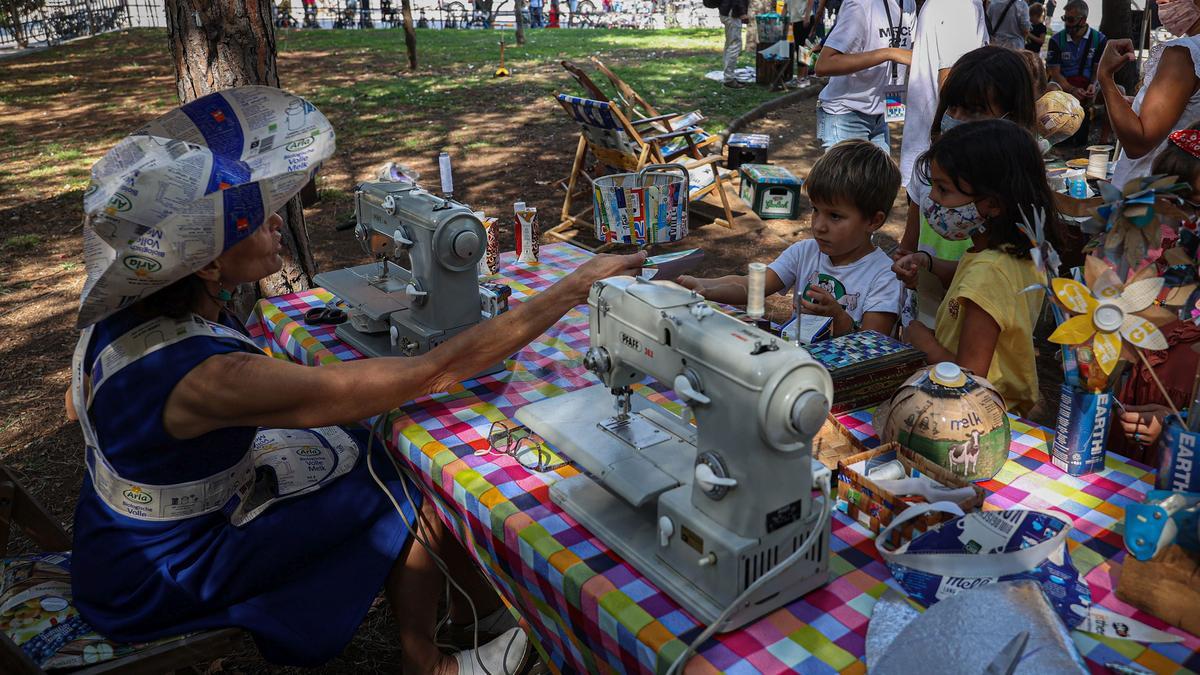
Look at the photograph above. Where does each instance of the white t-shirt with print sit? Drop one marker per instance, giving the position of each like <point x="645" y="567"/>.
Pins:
<point x="945" y="30"/>
<point x="865" y="285"/>
<point x="863" y="26"/>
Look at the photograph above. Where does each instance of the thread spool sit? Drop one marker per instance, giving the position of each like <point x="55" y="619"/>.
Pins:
<point x="447" y="176"/>
<point x="1098" y="161"/>
<point x="756" y="289"/>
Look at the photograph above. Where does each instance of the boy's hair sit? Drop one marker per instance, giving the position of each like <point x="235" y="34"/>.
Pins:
<point x="858" y="172"/>
<point x="1175" y="161"/>
<point x="988" y="78"/>
<point x="1037" y="10"/>
<point x="997" y="159"/>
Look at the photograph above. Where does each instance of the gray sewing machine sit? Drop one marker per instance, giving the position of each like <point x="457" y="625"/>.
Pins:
<point x="702" y="511"/>
<point x="395" y="311"/>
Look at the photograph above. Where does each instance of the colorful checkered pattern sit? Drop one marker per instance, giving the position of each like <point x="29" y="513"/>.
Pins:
<point x="592" y="612"/>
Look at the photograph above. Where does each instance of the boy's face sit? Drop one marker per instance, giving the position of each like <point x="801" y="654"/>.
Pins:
<point x="842" y="231"/>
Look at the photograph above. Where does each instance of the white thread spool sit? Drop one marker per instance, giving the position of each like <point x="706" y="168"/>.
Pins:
<point x="1098" y="161"/>
<point x="756" y="290"/>
<point x="447" y="176"/>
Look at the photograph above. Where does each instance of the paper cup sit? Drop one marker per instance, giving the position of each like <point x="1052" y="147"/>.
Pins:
<point x="1177" y="467"/>
<point x="1081" y="433"/>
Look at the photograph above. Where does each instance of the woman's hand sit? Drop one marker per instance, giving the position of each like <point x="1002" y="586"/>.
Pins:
<point x="579" y="283"/>
<point x="1143" y="424"/>
<point x="920" y="336"/>
<point x="907" y="266"/>
<point x="900" y="56"/>
<point x="1116" y="54"/>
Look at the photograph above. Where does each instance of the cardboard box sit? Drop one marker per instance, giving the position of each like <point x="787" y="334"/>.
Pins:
<point x="1167" y="587"/>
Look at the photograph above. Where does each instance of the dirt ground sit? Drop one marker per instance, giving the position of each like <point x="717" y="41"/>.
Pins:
<point x="115" y="87"/>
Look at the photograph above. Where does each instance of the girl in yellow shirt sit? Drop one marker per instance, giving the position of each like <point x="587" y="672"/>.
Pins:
<point x="983" y="175"/>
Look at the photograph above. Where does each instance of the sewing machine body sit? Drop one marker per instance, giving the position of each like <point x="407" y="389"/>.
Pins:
<point x="398" y="311"/>
<point x="703" y="510"/>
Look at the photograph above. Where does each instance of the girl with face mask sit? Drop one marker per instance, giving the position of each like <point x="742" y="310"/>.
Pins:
<point x="982" y="175"/>
<point x="1169" y="98"/>
<point x="986" y="83"/>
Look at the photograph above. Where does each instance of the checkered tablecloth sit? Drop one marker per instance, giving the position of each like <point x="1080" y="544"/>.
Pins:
<point x="591" y="611"/>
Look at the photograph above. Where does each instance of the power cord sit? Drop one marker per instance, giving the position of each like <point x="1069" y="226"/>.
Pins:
<point x="377" y="428"/>
<point x="813" y="536"/>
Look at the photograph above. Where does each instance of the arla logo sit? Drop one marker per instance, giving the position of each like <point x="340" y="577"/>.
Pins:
<point x="298" y="145"/>
<point x="141" y="265"/>
<point x="119" y="202"/>
<point x="136" y="495"/>
<point x="308" y="451"/>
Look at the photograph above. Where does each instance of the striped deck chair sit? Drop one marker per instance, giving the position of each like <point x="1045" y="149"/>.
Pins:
<point x="638" y="109"/>
<point x="618" y="146"/>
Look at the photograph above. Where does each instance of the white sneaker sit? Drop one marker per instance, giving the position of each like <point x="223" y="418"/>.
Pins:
<point x="503" y="656"/>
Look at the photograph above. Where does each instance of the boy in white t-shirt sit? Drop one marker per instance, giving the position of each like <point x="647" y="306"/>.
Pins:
<point x="866" y="58"/>
<point x="839" y="273"/>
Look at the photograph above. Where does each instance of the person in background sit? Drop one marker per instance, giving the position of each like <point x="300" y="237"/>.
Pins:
<point x="1008" y="23"/>
<point x="733" y="14"/>
<point x="865" y="56"/>
<point x="944" y="31"/>
<point x="1037" y="28"/>
<point x="535" y="13"/>
<point x="807" y="21"/>
<point x="1170" y="95"/>
<point x="1072" y="60"/>
<point x="982" y="175"/>
<point x="1143" y="409"/>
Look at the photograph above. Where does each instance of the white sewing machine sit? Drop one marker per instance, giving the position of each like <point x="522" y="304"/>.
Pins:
<point x="394" y="311"/>
<point x="706" y="510"/>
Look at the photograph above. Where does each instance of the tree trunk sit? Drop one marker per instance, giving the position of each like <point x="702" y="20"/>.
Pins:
<point x="410" y="35"/>
<point x="217" y="44"/>
<point x="519" y="9"/>
<point x="1118" y="24"/>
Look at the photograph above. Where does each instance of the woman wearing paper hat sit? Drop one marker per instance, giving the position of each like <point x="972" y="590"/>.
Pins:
<point x="219" y="491"/>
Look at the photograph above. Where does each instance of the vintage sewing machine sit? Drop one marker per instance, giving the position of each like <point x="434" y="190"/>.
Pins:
<point x="394" y="311"/>
<point x="704" y="510"/>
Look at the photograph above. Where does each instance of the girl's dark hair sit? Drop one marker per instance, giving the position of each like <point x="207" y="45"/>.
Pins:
<point x="175" y="301"/>
<point x="997" y="159"/>
<point x="986" y="79"/>
<point x="1175" y="161"/>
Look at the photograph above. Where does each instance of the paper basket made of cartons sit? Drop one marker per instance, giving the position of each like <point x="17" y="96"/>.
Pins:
<point x="834" y="443"/>
<point x="647" y="207"/>
<point x="874" y="507"/>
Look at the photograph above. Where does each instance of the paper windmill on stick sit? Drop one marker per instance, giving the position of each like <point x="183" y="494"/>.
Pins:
<point x="1045" y="258"/>
<point x="1108" y="312"/>
<point x="1131" y="236"/>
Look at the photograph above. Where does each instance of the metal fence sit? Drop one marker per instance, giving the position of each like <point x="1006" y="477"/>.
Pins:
<point x="59" y="20"/>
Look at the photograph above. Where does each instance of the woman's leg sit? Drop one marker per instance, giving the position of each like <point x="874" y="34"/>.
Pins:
<point x="462" y="569"/>
<point x="413" y="589"/>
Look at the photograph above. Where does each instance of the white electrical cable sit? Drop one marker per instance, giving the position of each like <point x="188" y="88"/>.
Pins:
<point x="401" y="473"/>
<point x="813" y="536"/>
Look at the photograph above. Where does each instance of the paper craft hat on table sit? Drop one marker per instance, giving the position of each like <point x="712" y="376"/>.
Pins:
<point x="175" y="194"/>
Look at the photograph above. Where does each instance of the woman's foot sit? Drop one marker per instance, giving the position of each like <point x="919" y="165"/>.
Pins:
<point x="506" y="655"/>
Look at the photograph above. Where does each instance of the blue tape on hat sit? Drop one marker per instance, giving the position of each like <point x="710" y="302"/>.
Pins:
<point x="243" y="206"/>
<point x="218" y="124"/>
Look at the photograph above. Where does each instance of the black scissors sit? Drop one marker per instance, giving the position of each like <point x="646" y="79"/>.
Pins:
<point x="325" y="315"/>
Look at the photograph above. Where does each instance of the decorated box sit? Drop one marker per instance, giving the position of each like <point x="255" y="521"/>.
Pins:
<point x="746" y="149"/>
<point x="770" y="190"/>
<point x="866" y="367"/>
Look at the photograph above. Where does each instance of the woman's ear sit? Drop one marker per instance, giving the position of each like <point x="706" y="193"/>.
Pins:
<point x="210" y="272"/>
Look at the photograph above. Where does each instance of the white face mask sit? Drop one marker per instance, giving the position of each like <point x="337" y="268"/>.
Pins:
<point x="955" y="223"/>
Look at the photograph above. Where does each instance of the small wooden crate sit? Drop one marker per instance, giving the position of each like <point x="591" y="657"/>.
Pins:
<point x="1167" y="587"/>
<point x="834" y="442"/>
<point x="746" y="149"/>
<point x="771" y="190"/>
<point x="874" y="508"/>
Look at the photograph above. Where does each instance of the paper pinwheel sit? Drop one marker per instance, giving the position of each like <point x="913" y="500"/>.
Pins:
<point x="1131" y="221"/>
<point x="1045" y="258"/>
<point x="1107" y="312"/>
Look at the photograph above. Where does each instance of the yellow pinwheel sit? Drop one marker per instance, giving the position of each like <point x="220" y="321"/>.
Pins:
<point x="1107" y="312"/>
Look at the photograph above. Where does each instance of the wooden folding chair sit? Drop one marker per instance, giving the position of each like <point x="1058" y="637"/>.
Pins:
<point x="18" y="507"/>
<point x="636" y="108"/>
<point x="617" y="145"/>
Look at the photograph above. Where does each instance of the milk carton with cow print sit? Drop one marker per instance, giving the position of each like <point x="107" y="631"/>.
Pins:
<point x="951" y="416"/>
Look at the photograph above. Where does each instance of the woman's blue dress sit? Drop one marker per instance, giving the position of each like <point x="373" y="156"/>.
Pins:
<point x="300" y="577"/>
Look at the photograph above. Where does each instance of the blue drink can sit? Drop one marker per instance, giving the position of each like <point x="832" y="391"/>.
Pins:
<point x="1081" y="432"/>
<point x="1177" y="468"/>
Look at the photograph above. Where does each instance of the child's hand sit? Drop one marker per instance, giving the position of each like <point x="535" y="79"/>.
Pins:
<point x="919" y="335"/>
<point x="1143" y="424"/>
<point x="906" y="268"/>
<point x="691" y="283"/>
<point x="822" y="304"/>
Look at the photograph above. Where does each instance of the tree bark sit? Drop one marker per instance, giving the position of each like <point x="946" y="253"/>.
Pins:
<point x="217" y="44"/>
<point x="1118" y="24"/>
<point x="519" y="9"/>
<point x="410" y="35"/>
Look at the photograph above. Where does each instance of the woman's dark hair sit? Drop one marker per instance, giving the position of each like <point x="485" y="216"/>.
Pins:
<point x="175" y="301"/>
<point x="997" y="159"/>
<point x="1175" y="161"/>
<point x="987" y="79"/>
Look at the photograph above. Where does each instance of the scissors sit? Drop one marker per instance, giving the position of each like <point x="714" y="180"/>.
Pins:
<point x="1006" y="661"/>
<point x="325" y="315"/>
